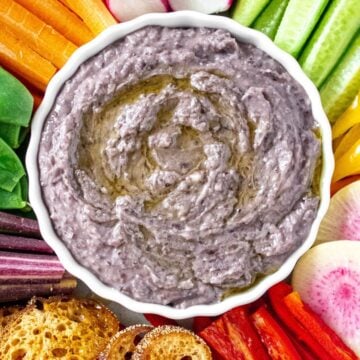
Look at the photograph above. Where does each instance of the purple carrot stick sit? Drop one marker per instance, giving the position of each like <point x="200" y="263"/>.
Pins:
<point x="13" y="224"/>
<point x="19" y="243"/>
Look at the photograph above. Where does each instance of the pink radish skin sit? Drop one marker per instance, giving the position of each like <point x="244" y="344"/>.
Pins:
<point x="204" y="6"/>
<point x="327" y="278"/>
<point x="124" y="10"/>
<point x="342" y="220"/>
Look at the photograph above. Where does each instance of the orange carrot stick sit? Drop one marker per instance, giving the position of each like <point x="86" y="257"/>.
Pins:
<point x="38" y="35"/>
<point x="60" y="18"/>
<point x="94" y="13"/>
<point x="37" y="99"/>
<point x="20" y="59"/>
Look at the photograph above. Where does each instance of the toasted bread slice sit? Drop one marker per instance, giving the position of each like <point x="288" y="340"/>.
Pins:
<point x="58" y="328"/>
<point x="7" y="313"/>
<point x="122" y="345"/>
<point x="171" y="343"/>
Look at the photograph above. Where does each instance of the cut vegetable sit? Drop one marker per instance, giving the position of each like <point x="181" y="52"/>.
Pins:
<point x="12" y="224"/>
<point x="23" y="61"/>
<point x="340" y="88"/>
<point x="337" y="27"/>
<point x="216" y="337"/>
<point x="243" y="335"/>
<point x="14" y="112"/>
<point x="11" y="168"/>
<point x="93" y="12"/>
<point x="327" y="338"/>
<point x="349" y="163"/>
<point x="338" y="185"/>
<point x="25" y="291"/>
<point x="278" y="345"/>
<point x="349" y="118"/>
<point x="39" y="36"/>
<point x="37" y="99"/>
<point x="200" y="323"/>
<point x="269" y="20"/>
<point x="297" y="24"/>
<point x="23" y="244"/>
<point x="347" y="141"/>
<point x="124" y="10"/>
<point x="207" y="7"/>
<point x="15" y="266"/>
<point x="327" y="278"/>
<point x="60" y="18"/>
<point x="246" y="11"/>
<point x="276" y="295"/>
<point x="342" y="220"/>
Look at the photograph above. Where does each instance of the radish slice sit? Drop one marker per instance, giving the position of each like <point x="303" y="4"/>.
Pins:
<point x="207" y="7"/>
<point x="327" y="278"/>
<point x="342" y="220"/>
<point x="124" y="10"/>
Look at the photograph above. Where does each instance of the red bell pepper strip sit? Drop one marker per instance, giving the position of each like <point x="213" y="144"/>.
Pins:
<point x="276" y="295"/>
<point x="327" y="338"/>
<point x="216" y="337"/>
<point x="304" y="352"/>
<point x="158" y="320"/>
<point x="273" y="336"/>
<point x="243" y="335"/>
<point x="201" y="322"/>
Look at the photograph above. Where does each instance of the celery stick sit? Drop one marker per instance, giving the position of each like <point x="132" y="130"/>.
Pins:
<point x="340" y="88"/>
<point x="16" y="102"/>
<point x="11" y="168"/>
<point x="246" y="11"/>
<point x="269" y="20"/>
<point x="337" y="27"/>
<point x="297" y="24"/>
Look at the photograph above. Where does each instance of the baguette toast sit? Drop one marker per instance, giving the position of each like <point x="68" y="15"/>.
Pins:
<point x="171" y="343"/>
<point x="123" y="344"/>
<point x="58" y="328"/>
<point x="7" y="313"/>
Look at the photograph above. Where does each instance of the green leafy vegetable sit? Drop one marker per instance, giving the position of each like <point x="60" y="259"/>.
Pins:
<point x="11" y="168"/>
<point x="13" y="199"/>
<point x="13" y="135"/>
<point x="16" y="102"/>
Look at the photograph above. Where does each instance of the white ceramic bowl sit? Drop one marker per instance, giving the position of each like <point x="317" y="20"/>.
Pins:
<point x="178" y="19"/>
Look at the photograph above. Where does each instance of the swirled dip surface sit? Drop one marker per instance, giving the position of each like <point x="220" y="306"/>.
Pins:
<point x="177" y="164"/>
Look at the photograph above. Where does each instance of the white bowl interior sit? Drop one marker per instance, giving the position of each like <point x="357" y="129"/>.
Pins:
<point x="177" y="19"/>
